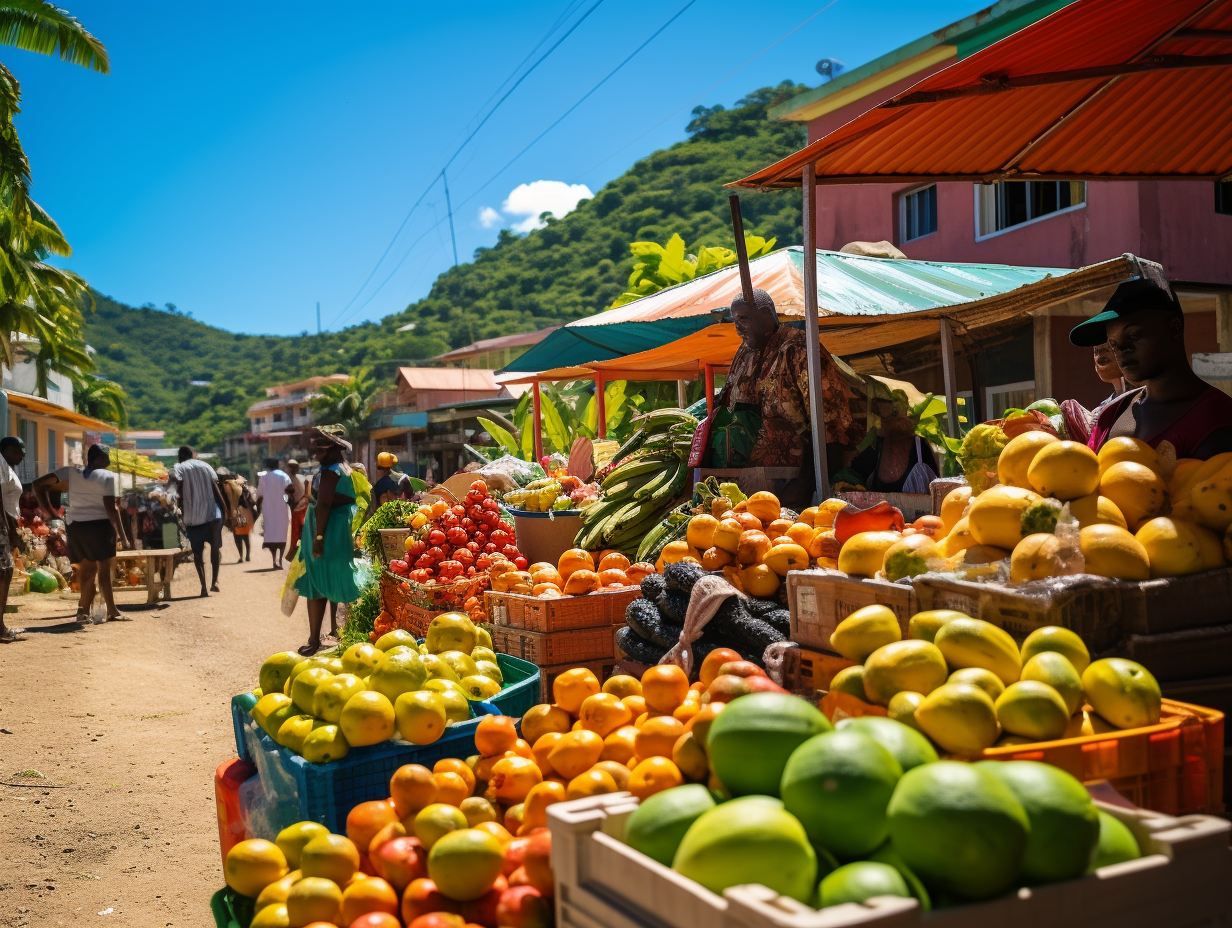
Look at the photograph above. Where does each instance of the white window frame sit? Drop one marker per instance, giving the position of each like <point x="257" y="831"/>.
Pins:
<point x="902" y="213"/>
<point x="980" y="235"/>
<point x="989" y="392"/>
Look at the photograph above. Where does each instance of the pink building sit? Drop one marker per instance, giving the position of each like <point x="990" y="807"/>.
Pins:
<point x="1186" y="226"/>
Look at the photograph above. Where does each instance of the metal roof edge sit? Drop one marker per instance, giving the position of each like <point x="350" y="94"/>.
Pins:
<point x="809" y="105"/>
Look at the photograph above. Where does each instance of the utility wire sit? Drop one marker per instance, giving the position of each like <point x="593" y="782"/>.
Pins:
<point x="465" y="142"/>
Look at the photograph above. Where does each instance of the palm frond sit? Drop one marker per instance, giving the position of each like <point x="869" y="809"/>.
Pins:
<point x="37" y="26"/>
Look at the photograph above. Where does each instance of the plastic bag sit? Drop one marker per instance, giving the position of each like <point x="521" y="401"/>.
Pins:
<point x="521" y="472"/>
<point x="290" y="595"/>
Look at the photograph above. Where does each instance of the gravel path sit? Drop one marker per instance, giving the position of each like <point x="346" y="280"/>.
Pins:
<point x="109" y="738"/>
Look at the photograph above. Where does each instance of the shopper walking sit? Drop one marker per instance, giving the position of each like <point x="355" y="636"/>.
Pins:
<point x="331" y="573"/>
<point x="203" y="506"/>
<point x="297" y="498"/>
<point x="272" y="506"/>
<point x="94" y="524"/>
<point x="242" y="512"/>
<point x="12" y="453"/>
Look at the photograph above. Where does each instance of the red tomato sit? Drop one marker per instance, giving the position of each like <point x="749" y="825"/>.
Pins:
<point x="436" y="553"/>
<point x="458" y="510"/>
<point x="456" y="536"/>
<point x="473" y="547"/>
<point x="491" y="518"/>
<point x="489" y="548"/>
<point x="446" y="552"/>
<point x="436" y="537"/>
<point x="424" y="561"/>
<point x="448" y="569"/>
<point x="504" y="526"/>
<point x="500" y="538"/>
<point x="416" y="549"/>
<point x="472" y="499"/>
<point x="475" y="513"/>
<point x="483" y="562"/>
<point x="468" y="524"/>
<point x="511" y="552"/>
<point x="470" y="571"/>
<point x="480" y="486"/>
<point x="464" y="557"/>
<point x="520" y="562"/>
<point x="490" y="504"/>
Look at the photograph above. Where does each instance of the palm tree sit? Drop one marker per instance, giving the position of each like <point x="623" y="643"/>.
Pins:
<point x="37" y="26"/>
<point x="348" y="403"/>
<point x="100" y="398"/>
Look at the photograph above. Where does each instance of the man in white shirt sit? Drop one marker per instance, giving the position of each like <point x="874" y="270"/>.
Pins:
<point x="12" y="453"/>
<point x="203" y="507"/>
<point x="272" y="506"/>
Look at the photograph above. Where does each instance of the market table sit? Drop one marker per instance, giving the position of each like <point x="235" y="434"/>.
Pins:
<point x="159" y="568"/>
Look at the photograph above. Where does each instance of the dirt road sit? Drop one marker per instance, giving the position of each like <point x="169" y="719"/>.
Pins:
<point x="126" y="723"/>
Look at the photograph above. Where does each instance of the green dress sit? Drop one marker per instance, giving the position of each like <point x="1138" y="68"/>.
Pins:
<point x="337" y="575"/>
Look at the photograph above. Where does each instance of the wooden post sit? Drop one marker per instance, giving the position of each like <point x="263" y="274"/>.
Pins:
<point x="709" y="390"/>
<point x="947" y="371"/>
<point x="538" y="414"/>
<point x="682" y="394"/>
<point x="817" y="409"/>
<point x="600" y="407"/>
<point x="742" y="254"/>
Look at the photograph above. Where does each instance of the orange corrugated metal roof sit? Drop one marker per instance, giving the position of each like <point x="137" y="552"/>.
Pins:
<point x="448" y="378"/>
<point x="1099" y="90"/>
<point x="495" y="344"/>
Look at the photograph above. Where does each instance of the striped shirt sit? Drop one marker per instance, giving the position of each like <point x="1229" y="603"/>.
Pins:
<point x="197" y="480"/>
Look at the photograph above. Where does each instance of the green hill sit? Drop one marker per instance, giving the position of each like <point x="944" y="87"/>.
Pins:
<point x="571" y="268"/>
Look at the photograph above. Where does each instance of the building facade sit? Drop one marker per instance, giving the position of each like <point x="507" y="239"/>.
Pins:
<point x="1184" y="225"/>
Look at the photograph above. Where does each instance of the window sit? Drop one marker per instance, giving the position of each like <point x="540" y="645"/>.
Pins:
<point x="277" y="417"/>
<point x="1223" y="197"/>
<point x="1006" y="204"/>
<point x="917" y="213"/>
<point x="1008" y="396"/>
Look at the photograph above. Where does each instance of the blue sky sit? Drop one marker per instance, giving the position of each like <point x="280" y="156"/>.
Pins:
<point x="244" y="160"/>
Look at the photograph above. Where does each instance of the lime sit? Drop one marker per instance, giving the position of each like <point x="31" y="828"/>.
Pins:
<point x="1117" y="843"/>
<point x="750" y="741"/>
<point x="657" y="826"/>
<point x="909" y="747"/>
<point x="860" y="881"/>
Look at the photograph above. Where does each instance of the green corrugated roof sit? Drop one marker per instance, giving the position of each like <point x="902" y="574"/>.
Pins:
<point x="969" y="35"/>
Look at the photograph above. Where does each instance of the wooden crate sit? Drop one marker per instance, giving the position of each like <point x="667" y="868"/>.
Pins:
<point x="806" y="671"/>
<point x="547" y="675"/>
<point x="819" y="599"/>
<point x="552" y="615"/>
<point x="548" y="649"/>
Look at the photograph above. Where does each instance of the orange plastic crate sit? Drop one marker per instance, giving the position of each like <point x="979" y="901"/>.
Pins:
<point x="1174" y="767"/>
<point x="546" y="649"/>
<point x="553" y="615"/>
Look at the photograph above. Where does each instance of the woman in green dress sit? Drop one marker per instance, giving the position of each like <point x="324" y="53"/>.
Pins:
<point x="331" y="573"/>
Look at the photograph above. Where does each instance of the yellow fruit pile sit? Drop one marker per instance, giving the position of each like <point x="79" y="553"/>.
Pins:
<point x="968" y="686"/>
<point x="753" y="544"/>
<point x="321" y="707"/>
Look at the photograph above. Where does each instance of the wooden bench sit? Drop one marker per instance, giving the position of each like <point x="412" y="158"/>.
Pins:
<point x="159" y="568"/>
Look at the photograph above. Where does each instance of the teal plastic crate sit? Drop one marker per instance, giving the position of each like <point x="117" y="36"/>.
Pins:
<point x="326" y="793"/>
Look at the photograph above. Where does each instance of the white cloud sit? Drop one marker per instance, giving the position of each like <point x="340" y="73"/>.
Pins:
<point x="542" y="196"/>
<point x="488" y="217"/>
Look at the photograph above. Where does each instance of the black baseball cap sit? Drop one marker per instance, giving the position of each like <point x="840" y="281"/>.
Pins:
<point x="1129" y="298"/>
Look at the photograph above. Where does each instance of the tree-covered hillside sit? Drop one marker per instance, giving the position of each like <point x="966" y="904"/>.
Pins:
<point x="571" y="268"/>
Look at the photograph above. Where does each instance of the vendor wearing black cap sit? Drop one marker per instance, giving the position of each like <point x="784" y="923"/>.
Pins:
<point x="1143" y="325"/>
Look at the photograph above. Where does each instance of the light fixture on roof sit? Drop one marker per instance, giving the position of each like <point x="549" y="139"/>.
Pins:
<point x="829" y="68"/>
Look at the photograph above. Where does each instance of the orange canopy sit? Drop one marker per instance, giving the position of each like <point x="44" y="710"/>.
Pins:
<point x="1099" y="90"/>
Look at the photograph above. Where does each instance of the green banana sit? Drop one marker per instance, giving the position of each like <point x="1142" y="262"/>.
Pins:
<point x="670" y="489"/>
<point x="635" y="526"/>
<point x="628" y="489"/>
<point x="631" y="444"/>
<point x="647" y="464"/>
<point x="652" y="486"/>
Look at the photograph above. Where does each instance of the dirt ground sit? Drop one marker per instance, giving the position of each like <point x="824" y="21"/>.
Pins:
<point x="109" y="739"/>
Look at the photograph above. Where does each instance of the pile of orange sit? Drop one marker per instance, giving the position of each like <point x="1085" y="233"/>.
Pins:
<point x="577" y="573"/>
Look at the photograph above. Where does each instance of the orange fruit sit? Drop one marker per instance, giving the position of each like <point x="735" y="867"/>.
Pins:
<point x="594" y="782"/>
<point x="603" y="713"/>
<point x="613" y="560"/>
<point x="460" y="767"/>
<point x="613" y="577"/>
<point x="330" y="856"/>
<point x="495" y="734"/>
<point x="664" y="687"/>
<point x="713" y="661"/>
<point x="622" y="685"/>
<point x="513" y="818"/>
<point x="522" y="749"/>
<point x="575" y="753"/>
<point x="574" y="559"/>
<point x="496" y="830"/>
<point x="543" y="718"/>
<point x="800" y="533"/>
<point x="653" y="775"/>
<point x="759" y="580"/>
<point x="451" y="789"/>
<point x="690" y="757"/>
<point x="748" y="522"/>
<point x="253" y="864"/>
<point x="581" y="582"/>
<point x="687" y="709"/>
<point x="658" y="736"/>
<point x="639" y="571"/>
<point x="547" y="574"/>
<point x="411" y="788"/>
<point x="314" y="899"/>
<point x="618" y="746"/>
<point x="365" y="820"/>
<point x="513" y="777"/>
<point x="618" y="772"/>
<point x="701" y="722"/>
<point x="388" y="833"/>
<point x="635" y="704"/>
<point x="368" y="895"/>
<point x="535" y="806"/>
<point x="538" y="566"/>
<point x="778" y="527"/>
<point x="543" y="747"/>
<point x="573" y="686"/>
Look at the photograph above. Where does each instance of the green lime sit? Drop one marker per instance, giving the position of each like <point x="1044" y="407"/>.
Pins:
<point x="860" y="881"/>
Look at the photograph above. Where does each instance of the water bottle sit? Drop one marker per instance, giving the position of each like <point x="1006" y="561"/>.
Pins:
<point x="98" y="614"/>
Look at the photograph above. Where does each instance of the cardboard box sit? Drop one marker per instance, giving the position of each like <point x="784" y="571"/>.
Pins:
<point x="1175" y="604"/>
<point x="820" y="599"/>
<point x="805" y="671"/>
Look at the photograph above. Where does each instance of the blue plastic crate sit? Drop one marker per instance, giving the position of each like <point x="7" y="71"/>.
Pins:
<point x="325" y="793"/>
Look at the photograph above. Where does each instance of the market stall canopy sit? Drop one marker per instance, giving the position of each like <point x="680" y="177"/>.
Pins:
<point x="44" y="407"/>
<point x="847" y="286"/>
<point x="1099" y="90"/>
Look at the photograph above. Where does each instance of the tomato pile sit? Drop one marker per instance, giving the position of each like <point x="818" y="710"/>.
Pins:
<point x="459" y="541"/>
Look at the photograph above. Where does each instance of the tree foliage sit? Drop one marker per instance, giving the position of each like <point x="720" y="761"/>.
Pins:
<point x="573" y="267"/>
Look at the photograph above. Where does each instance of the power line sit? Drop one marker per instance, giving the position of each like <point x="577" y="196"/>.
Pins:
<point x="415" y="206"/>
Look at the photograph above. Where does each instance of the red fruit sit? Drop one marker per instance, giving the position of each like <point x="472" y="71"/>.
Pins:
<point x="480" y="486"/>
<point x="474" y="547"/>
<point x="417" y="548"/>
<point x="425" y="561"/>
<point x="482" y="911"/>
<point x="520" y="562"/>
<point x="456" y="536"/>
<point x="469" y="524"/>
<point x="436" y="537"/>
<point x="500" y="537"/>
<point x="367" y="818"/>
<point x="401" y="860"/>
<point x="464" y="557"/>
<point x="727" y="687"/>
<point x="436" y="553"/>
<point x="439" y="920"/>
<point x="538" y="863"/>
<point x="511" y="551"/>
<point x="491" y="517"/>
<point x="365" y="865"/>
<point x="515" y="853"/>
<point x="449" y="520"/>
<point x="458" y="510"/>
<point x="504" y="526"/>
<point x="376" y="920"/>
<point x="483" y="562"/>
<point x="763" y="684"/>
<point x="422" y="897"/>
<point x="491" y="505"/>
<point x="523" y="907"/>
<point x="741" y="669"/>
<point x="489" y="548"/>
<point x="519" y="877"/>
<point x="447" y="551"/>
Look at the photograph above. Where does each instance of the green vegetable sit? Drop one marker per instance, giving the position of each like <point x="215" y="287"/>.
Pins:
<point x="1041" y="517"/>
<point x="361" y="617"/>
<point x="1048" y="406"/>
<point x="394" y="514"/>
